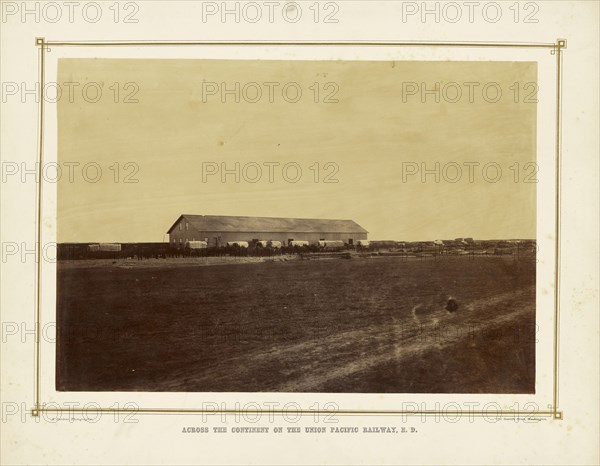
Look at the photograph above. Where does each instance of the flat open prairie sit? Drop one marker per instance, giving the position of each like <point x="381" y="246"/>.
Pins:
<point x="358" y="325"/>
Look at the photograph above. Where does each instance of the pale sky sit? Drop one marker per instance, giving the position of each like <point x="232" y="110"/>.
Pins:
<point x="372" y="134"/>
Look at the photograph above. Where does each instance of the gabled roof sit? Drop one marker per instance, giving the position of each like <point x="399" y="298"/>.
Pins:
<point x="269" y="224"/>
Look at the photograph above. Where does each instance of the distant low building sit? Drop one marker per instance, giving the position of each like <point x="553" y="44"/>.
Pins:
<point x="218" y="230"/>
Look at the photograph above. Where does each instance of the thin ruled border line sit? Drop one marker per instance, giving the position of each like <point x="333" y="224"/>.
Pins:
<point x="555" y="48"/>
<point x="364" y="43"/>
<point x="561" y="43"/>
<point x="342" y="412"/>
<point x="42" y="77"/>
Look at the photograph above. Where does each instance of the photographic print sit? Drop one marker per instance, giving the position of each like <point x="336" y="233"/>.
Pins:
<point x="296" y="226"/>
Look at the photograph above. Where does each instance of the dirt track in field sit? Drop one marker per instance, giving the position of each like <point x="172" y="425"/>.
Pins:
<point x="333" y="326"/>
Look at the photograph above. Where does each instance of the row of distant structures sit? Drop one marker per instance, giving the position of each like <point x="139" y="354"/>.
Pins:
<point x="214" y="231"/>
<point x="197" y="233"/>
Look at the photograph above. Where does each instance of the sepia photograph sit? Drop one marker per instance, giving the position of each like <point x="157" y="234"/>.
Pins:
<point x="322" y="232"/>
<point x="296" y="226"/>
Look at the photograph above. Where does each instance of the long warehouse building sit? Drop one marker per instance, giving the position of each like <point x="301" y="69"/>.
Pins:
<point x="218" y="230"/>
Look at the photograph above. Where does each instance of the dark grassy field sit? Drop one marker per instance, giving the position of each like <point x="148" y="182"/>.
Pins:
<point x="362" y="325"/>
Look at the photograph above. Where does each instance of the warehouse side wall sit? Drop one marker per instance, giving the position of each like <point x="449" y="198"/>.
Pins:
<point x="178" y="237"/>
